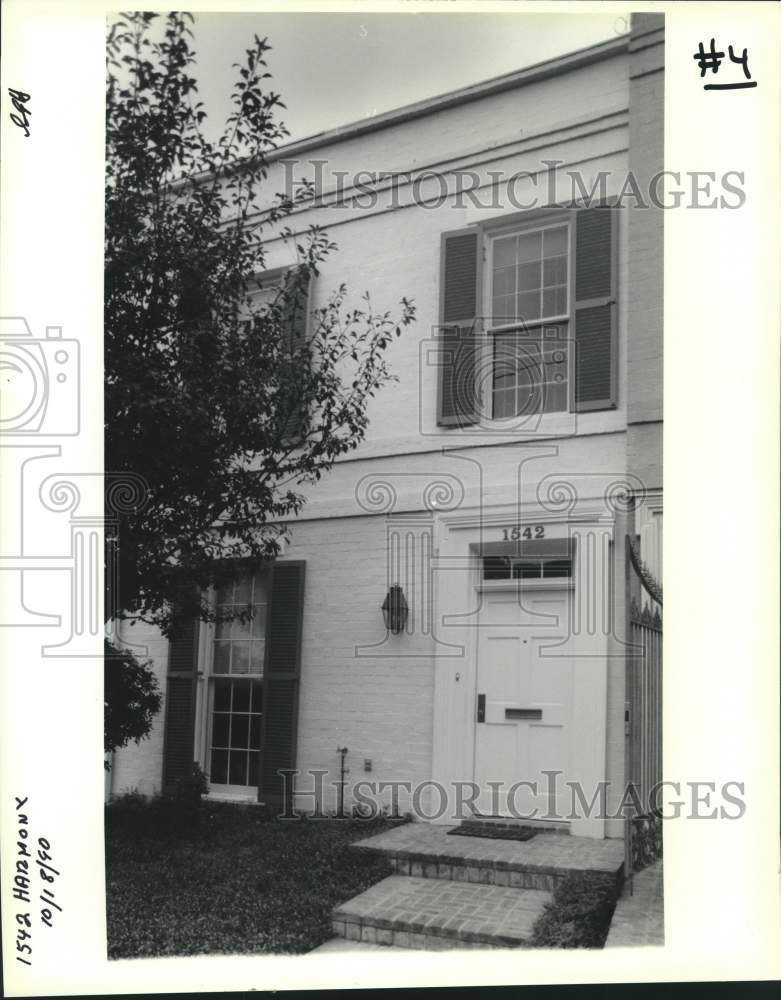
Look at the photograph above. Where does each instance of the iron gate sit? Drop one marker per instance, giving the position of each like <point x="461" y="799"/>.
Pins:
<point x="643" y="823"/>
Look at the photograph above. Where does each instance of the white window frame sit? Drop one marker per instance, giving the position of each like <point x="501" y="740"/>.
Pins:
<point x="490" y="235"/>
<point x="205" y="707"/>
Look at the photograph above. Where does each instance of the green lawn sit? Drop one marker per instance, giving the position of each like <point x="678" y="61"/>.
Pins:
<point x="235" y="881"/>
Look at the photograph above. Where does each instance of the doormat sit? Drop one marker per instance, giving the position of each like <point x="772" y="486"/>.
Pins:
<point x="494" y="833"/>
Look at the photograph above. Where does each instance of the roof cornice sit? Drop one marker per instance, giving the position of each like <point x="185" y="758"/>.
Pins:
<point x="518" y="78"/>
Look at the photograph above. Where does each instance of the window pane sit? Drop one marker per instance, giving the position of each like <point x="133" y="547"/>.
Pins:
<point x="254" y="731"/>
<point x="240" y="658"/>
<point x="256" y="652"/>
<point x="528" y="305"/>
<point x="555" y="271"/>
<point x="222" y="630"/>
<point x="222" y="696"/>
<point x="554" y="301"/>
<point x="243" y="593"/>
<point x="237" y="774"/>
<point x="219" y="768"/>
<point x="241" y="693"/>
<point x="259" y="621"/>
<point x="529" y="247"/>
<point x="220" y="729"/>
<point x="239" y="732"/>
<point x="528" y="364"/>
<point x="241" y="630"/>
<point x="557" y="567"/>
<point x="225" y="593"/>
<point x="504" y="404"/>
<point x="222" y="657"/>
<point x="530" y="399"/>
<point x="529" y="276"/>
<point x="526" y="570"/>
<point x="496" y="568"/>
<point x="505" y="364"/>
<point x="555" y="241"/>
<point x="503" y="309"/>
<point x="504" y="252"/>
<point x="504" y="281"/>
<point x="257" y="696"/>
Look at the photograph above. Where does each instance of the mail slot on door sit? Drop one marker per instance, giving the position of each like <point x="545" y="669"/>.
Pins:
<point x="523" y="713"/>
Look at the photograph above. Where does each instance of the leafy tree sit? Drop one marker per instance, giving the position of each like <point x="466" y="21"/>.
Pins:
<point x="214" y="396"/>
<point x="131" y="699"/>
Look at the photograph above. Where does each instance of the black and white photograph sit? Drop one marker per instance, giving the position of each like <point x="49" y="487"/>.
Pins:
<point x="335" y="492"/>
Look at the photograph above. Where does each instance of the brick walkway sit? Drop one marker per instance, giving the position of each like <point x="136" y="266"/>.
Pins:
<point x="417" y="913"/>
<point x="639" y="918"/>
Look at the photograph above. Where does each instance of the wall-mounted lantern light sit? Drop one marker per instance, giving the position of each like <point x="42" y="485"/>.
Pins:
<point x="395" y="610"/>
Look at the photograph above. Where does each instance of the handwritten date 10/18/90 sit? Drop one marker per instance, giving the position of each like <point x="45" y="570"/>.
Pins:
<point x="19" y="100"/>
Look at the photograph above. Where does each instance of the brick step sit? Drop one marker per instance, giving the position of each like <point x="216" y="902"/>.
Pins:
<point x="422" y="850"/>
<point x="409" y="912"/>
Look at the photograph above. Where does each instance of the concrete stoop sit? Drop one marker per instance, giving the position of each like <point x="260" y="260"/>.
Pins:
<point x="457" y="892"/>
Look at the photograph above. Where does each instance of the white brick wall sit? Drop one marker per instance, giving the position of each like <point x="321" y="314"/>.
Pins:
<point x="380" y="707"/>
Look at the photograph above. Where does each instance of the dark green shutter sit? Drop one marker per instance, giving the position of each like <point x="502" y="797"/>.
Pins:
<point x="283" y="667"/>
<point x="181" y="688"/>
<point x="595" y="308"/>
<point x="460" y="270"/>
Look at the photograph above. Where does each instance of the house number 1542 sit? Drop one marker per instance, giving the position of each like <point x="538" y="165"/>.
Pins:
<point x="516" y="533"/>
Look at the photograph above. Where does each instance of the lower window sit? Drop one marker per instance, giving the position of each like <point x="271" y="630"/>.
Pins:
<point x="237" y="713"/>
<point x="530" y="372"/>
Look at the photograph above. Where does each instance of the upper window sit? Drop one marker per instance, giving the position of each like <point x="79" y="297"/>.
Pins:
<point x="529" y="322"/>
<point x="290" y="290"/>
<point x="528" y="319"/>
<point x="529" y="276"/>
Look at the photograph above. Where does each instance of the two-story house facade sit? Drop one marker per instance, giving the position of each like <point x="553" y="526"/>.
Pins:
<point x="451" y="607"/>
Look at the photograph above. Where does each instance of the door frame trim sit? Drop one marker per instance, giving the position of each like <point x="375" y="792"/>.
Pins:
<point x="458" y="541"/>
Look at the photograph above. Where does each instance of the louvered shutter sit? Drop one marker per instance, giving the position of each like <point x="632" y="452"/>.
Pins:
<point x="460" y="269"/>
<point x="595" y="308"/>
<point x="298" y="286"/>
<point x="181" y="687"/>
<point x="283" y="665"/>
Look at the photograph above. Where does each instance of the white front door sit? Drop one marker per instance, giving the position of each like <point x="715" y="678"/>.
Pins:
<point x="523" y="704"/>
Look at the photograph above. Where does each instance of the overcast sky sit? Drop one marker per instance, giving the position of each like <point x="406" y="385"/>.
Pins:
<point x="331" y="69"/>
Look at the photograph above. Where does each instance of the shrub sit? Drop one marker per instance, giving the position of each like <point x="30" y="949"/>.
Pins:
<point x="131" y="699"/>
<point x="190" y="788"/>
<point x="580" y="914"/>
